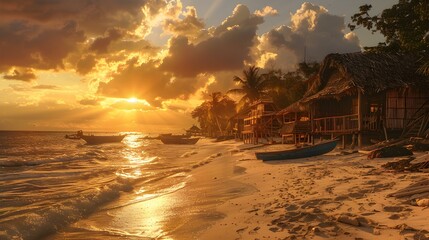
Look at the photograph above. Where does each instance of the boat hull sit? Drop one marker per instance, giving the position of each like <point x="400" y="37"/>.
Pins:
<point x="102" y="139"/>
<point x="303" y="152"/>
<point x="176" y="140"/>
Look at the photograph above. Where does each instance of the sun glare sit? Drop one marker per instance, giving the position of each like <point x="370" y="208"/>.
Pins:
<point x="132" y="100"/>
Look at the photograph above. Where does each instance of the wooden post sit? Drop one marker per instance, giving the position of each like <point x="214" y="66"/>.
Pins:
<point x="344" y="141"/>
<point x="359" y="119"/>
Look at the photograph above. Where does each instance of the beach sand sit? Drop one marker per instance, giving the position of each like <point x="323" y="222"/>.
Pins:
<point x="231" y="195"/>
<point x="326" y="197"/>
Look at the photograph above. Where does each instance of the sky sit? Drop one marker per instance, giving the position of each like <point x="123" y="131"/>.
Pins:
<point x="144" y="65"/>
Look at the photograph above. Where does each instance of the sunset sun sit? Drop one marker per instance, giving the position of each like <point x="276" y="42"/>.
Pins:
<point x="132" y="100"/>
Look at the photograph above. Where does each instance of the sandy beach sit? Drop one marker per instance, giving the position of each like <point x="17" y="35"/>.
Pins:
<point x="327" y="197"/>
<point x="229" y="194"/>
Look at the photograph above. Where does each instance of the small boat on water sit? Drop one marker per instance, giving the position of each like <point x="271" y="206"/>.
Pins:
<point x="72" y="136"/>
<point x="178" y="139"/>
<point x="304" y="152"/>
<point x="90" y="139"/>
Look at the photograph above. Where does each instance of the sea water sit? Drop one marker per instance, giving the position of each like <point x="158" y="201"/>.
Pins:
<point x="48" y="182"/>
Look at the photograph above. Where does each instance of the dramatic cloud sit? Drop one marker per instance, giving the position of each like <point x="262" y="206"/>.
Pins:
<point x="227" y="49"/>
<point x="93" y="17"/>
<point x="43" y="34"/>
<point x="26" y="45"/>
<point x="101" y="44"/>
<point x="312" y="35"/>
<point x="190" y="26"/>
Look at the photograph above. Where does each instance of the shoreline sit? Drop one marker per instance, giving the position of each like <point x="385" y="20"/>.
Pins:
<point x="328" y="196"/>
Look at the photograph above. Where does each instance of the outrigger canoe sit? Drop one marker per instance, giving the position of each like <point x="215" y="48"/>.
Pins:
<point x="304" y="152"/>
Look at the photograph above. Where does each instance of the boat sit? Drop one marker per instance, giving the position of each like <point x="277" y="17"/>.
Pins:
<point x="91" y="139"/>
<point x="178" y="139"/>
<point x="72" y="137"/>
<point x="304" y="152"/>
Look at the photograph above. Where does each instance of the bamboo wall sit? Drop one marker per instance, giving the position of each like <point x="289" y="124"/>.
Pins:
<point x="401" y="105"/>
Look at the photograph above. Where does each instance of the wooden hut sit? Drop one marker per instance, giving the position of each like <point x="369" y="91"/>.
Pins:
<point x="364" y="93"/>
<point x="261" y="122"/>
<point x="296" y="126"/>
<point x="194" y="131"/>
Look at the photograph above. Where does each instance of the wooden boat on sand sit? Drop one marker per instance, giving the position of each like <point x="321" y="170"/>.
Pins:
<point x="304" y="152"/>
<point x="178" y="139"/>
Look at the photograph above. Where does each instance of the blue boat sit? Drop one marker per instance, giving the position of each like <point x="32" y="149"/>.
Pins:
<point x="304" y="152"/>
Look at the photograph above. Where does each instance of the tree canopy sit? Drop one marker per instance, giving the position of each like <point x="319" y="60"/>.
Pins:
<point x="213" y="114"/>
<point x="405" y="25"/>
<point x="252" y="86"/>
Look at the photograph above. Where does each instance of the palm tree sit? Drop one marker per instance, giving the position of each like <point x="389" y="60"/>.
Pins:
<point x="253" y="86"/>
<point x="214" y="113"/>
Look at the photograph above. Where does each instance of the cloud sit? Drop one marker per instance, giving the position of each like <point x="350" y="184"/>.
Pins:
<point x="51" y="35"/>
<point x="22" y="74"/>
<point x="147" y="81"/>
<point x="227" y="49"/>
<point x="26" y="45"/>
<point x="266" y="11"/>
<point x="101" y="44"/>
<point x="312" y="35"/>
<point x="190" y="26"/>
<point x="85" y="64"/>
<point x="90" y="101"/>
<point x="94" y="17"/>
<point x="127" y="105"/>
<point x="47" y="87"/>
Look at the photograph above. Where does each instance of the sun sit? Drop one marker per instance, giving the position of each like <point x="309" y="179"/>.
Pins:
<point x="132" y="100"/>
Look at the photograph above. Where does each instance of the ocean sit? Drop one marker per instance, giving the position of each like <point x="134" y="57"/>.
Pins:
<point x="56" y="188"/>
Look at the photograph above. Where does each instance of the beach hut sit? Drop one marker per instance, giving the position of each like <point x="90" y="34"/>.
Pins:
<point x="364" y="94"/>
<point x="261" y="122"/>
<point x="296" y="126"/>
<point x="194" y="131"/>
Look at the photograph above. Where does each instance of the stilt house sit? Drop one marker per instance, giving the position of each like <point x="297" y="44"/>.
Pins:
<point x="261" y="122"/>
<point x="369" y="94"/>
<point x="296" y="127"/>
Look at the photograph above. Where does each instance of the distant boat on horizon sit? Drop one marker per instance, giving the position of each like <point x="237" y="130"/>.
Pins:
<point x="92" y="139"/>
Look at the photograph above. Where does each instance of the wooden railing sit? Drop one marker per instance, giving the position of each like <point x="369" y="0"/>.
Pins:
<point x="248" y="128"/>
<point x="336" y="124"/>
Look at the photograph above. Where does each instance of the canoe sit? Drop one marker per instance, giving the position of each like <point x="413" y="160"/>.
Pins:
<point x="304" y="152"/>
<point x="90" y="139"/>
<point x="178" y="140"/>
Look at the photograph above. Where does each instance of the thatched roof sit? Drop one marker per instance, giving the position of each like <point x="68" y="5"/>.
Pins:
<point x="293" y="108"/>
<point x="194" y="129"/>
<point x="368" y="73"/>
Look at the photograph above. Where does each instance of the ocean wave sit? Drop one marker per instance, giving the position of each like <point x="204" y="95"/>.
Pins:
<point x="47" y="221"/>
<point x="20" y="162"/>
